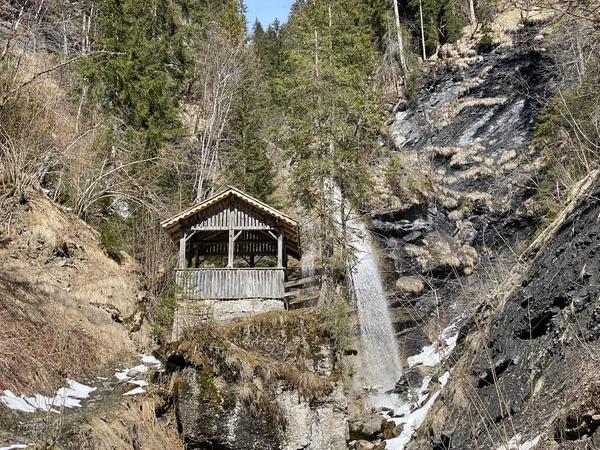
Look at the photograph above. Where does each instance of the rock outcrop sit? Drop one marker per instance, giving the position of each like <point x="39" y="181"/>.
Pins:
<point x="267" y="382"/>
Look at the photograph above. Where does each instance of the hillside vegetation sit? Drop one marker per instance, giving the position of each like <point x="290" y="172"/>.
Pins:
<point x="462" y="129"/>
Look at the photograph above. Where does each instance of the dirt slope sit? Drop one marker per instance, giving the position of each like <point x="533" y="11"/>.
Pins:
<point x="59" y="297"/>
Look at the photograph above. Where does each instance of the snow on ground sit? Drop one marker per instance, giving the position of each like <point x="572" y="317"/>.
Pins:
<point x="14" y="446"/>
<point x="71" y="395"/>
<point x="137" y="390"/>
<point x="148" y="363"/>
<point x="65" y="397"/>
<point x="432" y="355"/>
<point x="413" y="414"/>
<point x="516" y="444"/>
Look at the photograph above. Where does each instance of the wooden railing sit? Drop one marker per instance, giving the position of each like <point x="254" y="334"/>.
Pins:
<point x="229" y="284"/>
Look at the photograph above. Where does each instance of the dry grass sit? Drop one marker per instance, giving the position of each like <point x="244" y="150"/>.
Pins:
<point x="247" y="352"/>
<point x="410" y="285"/>
<point x="52" y="269"/>
<point x="444" y="115"/>
<point x="125" y="426"/>
<point x="437" y="251"/>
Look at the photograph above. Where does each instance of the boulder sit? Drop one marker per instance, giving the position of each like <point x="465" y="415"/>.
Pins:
<point x="364" y="445"/>
<point x="367" y="427"/>
<point x="409" y="381"/>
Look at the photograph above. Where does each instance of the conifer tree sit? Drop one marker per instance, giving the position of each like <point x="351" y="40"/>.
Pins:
<point x="136" y="79"/>
<point x="247" y="164"/>
<point x="331" y="105"/>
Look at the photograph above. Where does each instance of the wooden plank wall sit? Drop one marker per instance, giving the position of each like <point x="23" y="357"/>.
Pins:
<point x="230" y="284"/>
<point x="243" y="216"/>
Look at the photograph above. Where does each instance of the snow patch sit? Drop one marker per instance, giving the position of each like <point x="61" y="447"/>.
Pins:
<point x="413" y="414"/>
<point x="14" y="446"/>
<point x="148" y="363"/>
<point x="137" y="390"/>
<point x="434" y="354"/>
<point x="516" y="444"/>
<point x="65" y="397"/>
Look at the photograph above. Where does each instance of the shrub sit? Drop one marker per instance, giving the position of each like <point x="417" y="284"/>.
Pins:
<point x="112" y="237"/>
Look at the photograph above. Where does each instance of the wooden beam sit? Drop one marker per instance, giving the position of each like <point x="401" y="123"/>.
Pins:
<point x="280" y="248"/>
<point x="300" y="281"/>
<point x="224" y="241"/>
<point x="197" y="228"/>
<point x="182" y="246"/>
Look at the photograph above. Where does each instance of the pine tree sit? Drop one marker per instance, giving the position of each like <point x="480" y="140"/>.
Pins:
<point x="331" y="105"/>
<point x="247" y="164"/>
<point x="136" y="79"/>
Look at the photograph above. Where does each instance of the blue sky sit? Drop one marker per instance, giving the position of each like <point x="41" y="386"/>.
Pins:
<point x="266" y="11"/>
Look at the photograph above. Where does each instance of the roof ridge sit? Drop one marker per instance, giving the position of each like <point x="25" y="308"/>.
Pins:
<point x="232" y="190"/>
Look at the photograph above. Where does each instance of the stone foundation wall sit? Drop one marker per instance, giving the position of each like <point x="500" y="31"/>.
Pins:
<point x="191" y="313"/>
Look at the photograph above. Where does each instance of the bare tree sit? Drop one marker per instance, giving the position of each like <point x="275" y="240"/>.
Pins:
<point x="217" y="76"/>
<point x="400" y="39"/>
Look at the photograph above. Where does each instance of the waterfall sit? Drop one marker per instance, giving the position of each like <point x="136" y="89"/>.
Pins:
<point x="380" y="355"/>
<point x="308" y="258"/>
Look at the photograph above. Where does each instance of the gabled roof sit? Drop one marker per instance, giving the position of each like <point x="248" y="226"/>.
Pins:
<point x="290" y="226"/>
<point x="230" y="190"/>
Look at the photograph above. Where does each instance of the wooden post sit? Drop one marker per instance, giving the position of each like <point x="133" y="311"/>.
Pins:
<point x="280" y="248"/>
<point x="252" y="262"/>
<point x="231" y="248"/>
<point x="182" y="245"/>
<point x="189" y="253"/>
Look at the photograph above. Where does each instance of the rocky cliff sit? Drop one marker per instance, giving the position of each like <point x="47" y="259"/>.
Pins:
<point x="267" y="382"/>
<point x="454" y="217"/>
<point x="528" y="372"/>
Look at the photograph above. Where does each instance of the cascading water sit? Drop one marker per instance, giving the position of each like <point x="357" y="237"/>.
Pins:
<point x="308" y="258"/>
<point x="380" y="355"/>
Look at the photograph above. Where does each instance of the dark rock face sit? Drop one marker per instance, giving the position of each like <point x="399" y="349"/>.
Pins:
<point x="464" y="154"/>
<point x="206" y="408"/>
<point x="538" y="369"/>
<point x="410" y="380"/>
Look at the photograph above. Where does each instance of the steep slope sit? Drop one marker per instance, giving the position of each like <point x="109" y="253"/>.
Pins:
<point x="67" y="310"/>
<point x="61" y="299"/>
<point x="532" y="368"/>
<point x="454" y="206"/>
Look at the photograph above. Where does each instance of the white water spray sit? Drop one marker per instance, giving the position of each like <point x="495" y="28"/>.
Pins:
<point x="380" y="355"/>
<point x="308" y="258"/>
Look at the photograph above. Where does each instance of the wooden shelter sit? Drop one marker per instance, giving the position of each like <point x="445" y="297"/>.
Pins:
<point x="233" y="246"/>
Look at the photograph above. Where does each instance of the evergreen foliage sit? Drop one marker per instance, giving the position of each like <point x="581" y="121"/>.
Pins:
<point x="136" y="79"/>
<point x="247" y="164"/>
<point x="443" y="21"/>
<point x="331" y="105"/>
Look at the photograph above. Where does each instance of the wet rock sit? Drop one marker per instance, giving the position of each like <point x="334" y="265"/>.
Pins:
<point x="409" y="381"/>
<point x="366" y="427"/>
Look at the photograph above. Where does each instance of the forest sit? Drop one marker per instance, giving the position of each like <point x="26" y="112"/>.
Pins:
<point x="465" y="132"/>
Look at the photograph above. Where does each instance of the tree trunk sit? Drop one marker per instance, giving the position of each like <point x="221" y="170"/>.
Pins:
<point x="400" y="40"/>
<point x="423" y="29"/>
<point x="473" y="18"/>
